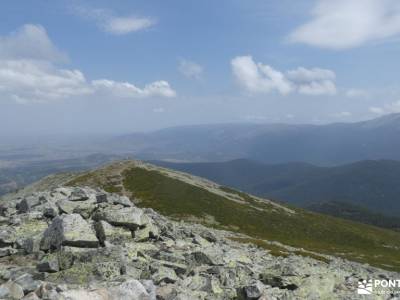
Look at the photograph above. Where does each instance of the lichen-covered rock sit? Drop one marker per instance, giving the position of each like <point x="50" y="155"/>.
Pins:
<point x="7" y="236"/>
<point x="131" y="290"/>
<point x="11" y="290"/>
<point x="107" y="232"/>
<point x="49" y="264"/>
<point x="27" y="283"/>
<point x="69" y="230"/>
<point x="129" y="217"/>
<point x="27" y="204"/>
<point x="81" y="243"/>
<point x="164" y="274"/>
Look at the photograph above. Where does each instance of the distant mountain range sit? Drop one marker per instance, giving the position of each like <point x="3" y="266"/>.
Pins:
<point x="327" y="145"/>
<point x="360" y="191"/>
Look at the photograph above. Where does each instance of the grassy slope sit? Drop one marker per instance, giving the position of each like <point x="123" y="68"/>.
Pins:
<point x="260" y="220"/>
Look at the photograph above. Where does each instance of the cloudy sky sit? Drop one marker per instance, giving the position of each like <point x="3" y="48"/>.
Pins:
<point x="83" y="66"/>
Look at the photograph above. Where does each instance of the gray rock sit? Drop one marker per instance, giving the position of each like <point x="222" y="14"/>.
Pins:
<point x="121" y="200"/>
<point x="129" y="217"/>
<point x="11" y="290"/>
<point x="84" y="208"/>
<point x="48" y="264"/>
<point x="50" y="210"/>
<point x="31" y="296"/>
<point x="108" y="270"/>
<point x="144" y="234"/>
<point x="165" y="275"/>
<point x="253" y="291"/>
<point x="79" y="194"/>
<point x="107" y="232"/>
<point x="7" y="236"/>
<point x="66" y="206"/>
<point x="130" y="290"/>
<point x="102" y="198"/>
<point x="7" y="251"/>
<point x="27" y="204"/>
<point x="27" y="283"/>
<point x="69" y="230"/>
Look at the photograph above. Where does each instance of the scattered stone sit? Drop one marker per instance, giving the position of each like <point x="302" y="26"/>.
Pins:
<point x="129" y="217"/>
<point x="69" y="230"/>
<point x="27" y="203"/>
<point x="121" y="200"/>
<point x="27" y="283"/>
<point x="107" y="232"/>
<point x="7" y="236"/>
<point x="48" y="264"/>
<point x="11" y="290"/>
<point x="78" y="194"/>
<point x="165" y="275"/>
<point x="89" y="244"/>
<point x="31" y="296"/>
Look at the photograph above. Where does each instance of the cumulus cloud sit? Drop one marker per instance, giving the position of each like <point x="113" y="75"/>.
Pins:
<point x="343" y="24"/>
<point x="37" y="81"/>
<point x="314" y="81"/>
<point x="29" y="77"/>
<point x="118" y="25"/>
<point x="30" y="42"/>
<point x="389" y="108"/>
<point x="190" y="69"/>
<point x="261" y="78"/>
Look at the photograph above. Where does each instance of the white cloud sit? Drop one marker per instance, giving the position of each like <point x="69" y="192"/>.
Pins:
<point x="260" y="78"/>
<point x="36" y="81"/>
<point x="27" y="78"/>
<point x="118" y="25"/>
<point x="128" y="90"/>
<point x="343" y="24"/>
<point x="190" y="69"/>
<point x="30" y="42"/>
<point x="389" y="108"/>
<point x="124" y="25"/>
<point x="314" y="81"/>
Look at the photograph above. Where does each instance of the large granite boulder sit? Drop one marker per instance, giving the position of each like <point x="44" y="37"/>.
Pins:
<point x="69" y="230"/>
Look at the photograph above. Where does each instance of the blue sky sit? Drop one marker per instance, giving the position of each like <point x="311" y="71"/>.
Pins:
<point x="114" y="67"/>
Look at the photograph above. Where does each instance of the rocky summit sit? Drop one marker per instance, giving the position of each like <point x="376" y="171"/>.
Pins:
<point x="83" y="243"/>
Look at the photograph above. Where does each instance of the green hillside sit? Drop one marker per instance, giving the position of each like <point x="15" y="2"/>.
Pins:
<point x="372" y="185"/>
<point x="183" y="196"/>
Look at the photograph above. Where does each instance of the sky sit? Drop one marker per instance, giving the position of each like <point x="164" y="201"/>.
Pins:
<point x="114" y="67"/>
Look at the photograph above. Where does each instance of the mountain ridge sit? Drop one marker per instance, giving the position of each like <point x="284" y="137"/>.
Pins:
<point x="370" y="184"/>
<point x="186" y="197"/>
<point x="328" y="145"/>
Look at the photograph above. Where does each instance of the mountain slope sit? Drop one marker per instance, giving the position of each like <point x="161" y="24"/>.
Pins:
<point x="373" y="185"/>
<point x="104" y="250"/>
<point x="271" y="143"/>
<point x="183" y="196"/>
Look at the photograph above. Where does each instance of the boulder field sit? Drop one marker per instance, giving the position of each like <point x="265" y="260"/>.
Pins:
<point x="82" y="243"/>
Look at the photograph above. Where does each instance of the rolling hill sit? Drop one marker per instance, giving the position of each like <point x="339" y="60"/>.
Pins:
<point x="186" y="197"/>
<point x="330" y="144"/>
<point x="373" y="185"/>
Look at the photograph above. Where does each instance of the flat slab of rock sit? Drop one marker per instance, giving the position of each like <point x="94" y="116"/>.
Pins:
<point x="69" y="230"/>
<point x="129" y="217"/>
